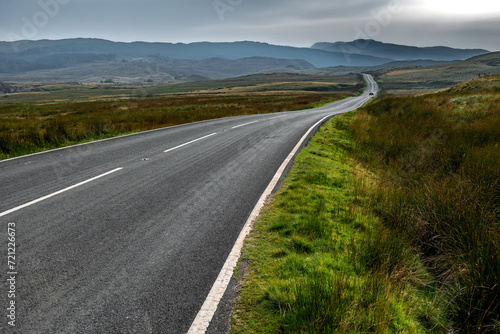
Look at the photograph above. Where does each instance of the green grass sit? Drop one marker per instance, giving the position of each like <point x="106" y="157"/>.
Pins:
<point x="320" y="263"/>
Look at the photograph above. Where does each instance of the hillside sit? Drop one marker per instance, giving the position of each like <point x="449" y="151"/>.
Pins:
<point x="156" y="68"/>
<point x="342" y="70"/>
<point x="411" y="79"/>
<point x="398" y="52"/>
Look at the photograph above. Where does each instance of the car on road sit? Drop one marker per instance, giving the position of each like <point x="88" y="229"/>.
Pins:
<point x="372" y="94"/>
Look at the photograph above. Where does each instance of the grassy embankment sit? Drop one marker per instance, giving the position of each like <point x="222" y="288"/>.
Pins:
<point x="388" y="222"/>
<point x="27" y="128"/>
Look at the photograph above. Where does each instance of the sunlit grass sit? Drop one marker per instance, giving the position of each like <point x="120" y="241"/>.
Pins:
<point x="320" y="263"/>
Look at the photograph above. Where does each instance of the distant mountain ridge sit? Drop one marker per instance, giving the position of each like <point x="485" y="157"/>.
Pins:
<point x="91" y="60"/>
<point x="29" y="50"/>
<point x="398" y="52"/>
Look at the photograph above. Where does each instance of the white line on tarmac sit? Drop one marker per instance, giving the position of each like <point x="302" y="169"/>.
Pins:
<point x="57" y="193"/>
<point x="239" y="126"/>
<point x="278" y="117"/>
<point x="190" y="142"/>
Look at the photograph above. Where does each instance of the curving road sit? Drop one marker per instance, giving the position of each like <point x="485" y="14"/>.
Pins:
<point x="128" y="235"/>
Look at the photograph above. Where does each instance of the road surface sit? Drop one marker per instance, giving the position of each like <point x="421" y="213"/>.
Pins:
<point x="128" y="235"/>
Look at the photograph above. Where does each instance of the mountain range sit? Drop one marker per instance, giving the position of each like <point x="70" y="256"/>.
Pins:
<point x="398" y="52"/>
<point x="91" y="60"/>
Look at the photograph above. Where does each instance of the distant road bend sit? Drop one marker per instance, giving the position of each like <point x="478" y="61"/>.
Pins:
<point x="128" y="235"/>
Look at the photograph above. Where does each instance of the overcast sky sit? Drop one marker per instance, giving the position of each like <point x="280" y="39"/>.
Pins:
<point x="457" y="23"/>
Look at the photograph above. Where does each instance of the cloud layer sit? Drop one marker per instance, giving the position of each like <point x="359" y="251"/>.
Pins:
<point x="291" y="22"/>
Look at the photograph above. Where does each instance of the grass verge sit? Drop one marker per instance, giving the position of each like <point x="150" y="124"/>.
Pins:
<point x="387" y="223"/>
<point x="319" y="262"/>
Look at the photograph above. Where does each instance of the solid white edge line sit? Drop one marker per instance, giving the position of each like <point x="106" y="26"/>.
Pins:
<point x="207" y="311"/>
<point x="190" y="142"/>
<point x="56" y="193"/>
<point x="239" y="126"/>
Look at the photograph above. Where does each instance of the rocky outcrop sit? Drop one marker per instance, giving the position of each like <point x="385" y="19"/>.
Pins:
<point x="8" y="89"/>
<point x="5" y="88"/>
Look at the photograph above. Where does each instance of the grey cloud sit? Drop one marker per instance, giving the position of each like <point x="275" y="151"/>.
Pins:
<point x="311" y="9"/>
<point x="294" y="22"/>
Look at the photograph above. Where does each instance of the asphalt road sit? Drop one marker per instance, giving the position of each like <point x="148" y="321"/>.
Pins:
<point x="128" y="235"/>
